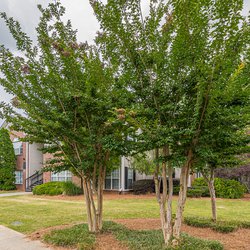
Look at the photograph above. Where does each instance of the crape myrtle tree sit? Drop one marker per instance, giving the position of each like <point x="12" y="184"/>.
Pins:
<point x="171" y="64"/>
<point x="7" y="161"/>
<point x="66" y="95"/>
<point x="224" y="137"/>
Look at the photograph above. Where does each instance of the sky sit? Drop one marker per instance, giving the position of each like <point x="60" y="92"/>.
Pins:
<point x="78" y="11"/>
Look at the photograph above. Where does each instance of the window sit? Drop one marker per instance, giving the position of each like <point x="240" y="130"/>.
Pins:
<point x="61" y="176"/>
<point x="18" y="146"/>
<point x="112" y="181"/>
<point x="129" y="177"/>
<point x="19" y="177"/>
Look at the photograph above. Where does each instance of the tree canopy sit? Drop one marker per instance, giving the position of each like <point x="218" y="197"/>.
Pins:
<point x="7" y="161"/>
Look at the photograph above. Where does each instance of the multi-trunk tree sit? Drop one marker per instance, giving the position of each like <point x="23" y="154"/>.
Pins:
<point x="7" y="161"/>
<point x="66" y="97"/>
<point x="172" y="65"/>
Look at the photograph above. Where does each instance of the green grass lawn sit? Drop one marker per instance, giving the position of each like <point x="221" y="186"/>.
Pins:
<point x="29" y="213"/>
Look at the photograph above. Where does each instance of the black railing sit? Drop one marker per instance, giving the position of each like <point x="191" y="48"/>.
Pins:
<point x="34" y="180"/>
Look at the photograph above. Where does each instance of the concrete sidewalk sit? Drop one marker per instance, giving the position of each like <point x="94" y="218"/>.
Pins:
<point x="12" y="240"/>
<point x="14" y="194"/>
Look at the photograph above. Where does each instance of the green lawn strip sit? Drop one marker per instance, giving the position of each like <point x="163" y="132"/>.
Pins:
<point x="219" y="226"/>
<point x="36" y="213"/>
<point x="78" y="236"/>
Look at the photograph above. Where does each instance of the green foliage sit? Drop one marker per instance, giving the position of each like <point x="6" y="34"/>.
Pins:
<point x="143" y="186"/>
<point x="49" y="188"/>
<point x="153" y="239"/>
<point x="71" y="189"/>
<point x="194" y="192"/>
<point x="7" y="161"/>
<point x="57" y="188"/>
<point x="220" y="226"/>
<point x="70" y="78"/>
<point x="77" y="236"/>
<point x="224" y="188"/>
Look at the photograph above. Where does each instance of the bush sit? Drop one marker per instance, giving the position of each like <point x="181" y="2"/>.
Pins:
<point x="176" y="190"/>
<point x="148" y="186"/>
<point x="57" y="188"/>
<point x="143" y="186"/>
<point x="49" y="188"/>
<point x="224" y="188"/>
<point x="71" y="189"/>
<point x="194" y="192"/>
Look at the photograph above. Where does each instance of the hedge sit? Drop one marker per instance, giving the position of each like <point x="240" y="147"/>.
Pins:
<point x="224" y="188"/>
<point x="57" y="188"/>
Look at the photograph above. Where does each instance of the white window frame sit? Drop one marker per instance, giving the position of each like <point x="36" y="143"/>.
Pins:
<point x="110" y="177"/>
<point x="65" y="175"/>
<point x="18" y="146"/>
<point x="18" y="177"/>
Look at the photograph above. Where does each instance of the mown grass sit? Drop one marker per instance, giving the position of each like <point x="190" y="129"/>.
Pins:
<point x="35" y="213"/>
<point x="79" y="237"/>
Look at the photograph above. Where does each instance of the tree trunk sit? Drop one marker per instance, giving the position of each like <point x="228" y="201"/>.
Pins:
<point x="212" y="194"/>
<point x="169" y="206"/>
<point x="166" y="197"/>
<point x="213" y="200"/>
<point x="88" y="206"/>
<point x="182" y="196"/>
<point x="209" y="178"/>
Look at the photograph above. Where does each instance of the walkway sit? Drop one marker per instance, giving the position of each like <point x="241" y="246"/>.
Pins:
<point x="14" y="194"/>
<point x="12" y="240"/>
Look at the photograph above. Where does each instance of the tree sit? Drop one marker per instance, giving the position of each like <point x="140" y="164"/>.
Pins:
<point x="66" y="94"/>
<point x="7" y="161"/>
<point x="171" y="66"/>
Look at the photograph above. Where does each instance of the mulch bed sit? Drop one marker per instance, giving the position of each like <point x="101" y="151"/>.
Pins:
<point x="238" y="240"/>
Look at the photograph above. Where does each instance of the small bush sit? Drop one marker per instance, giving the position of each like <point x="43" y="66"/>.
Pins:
<point x="224" y="188"/>
<point x="71" y="189"/>
<point x="194" y="192"/>
<point x="57" y="188"/>
<point x="143" y="186"/>
<point x="176" y="190"/>
<point x="49" y="188"/>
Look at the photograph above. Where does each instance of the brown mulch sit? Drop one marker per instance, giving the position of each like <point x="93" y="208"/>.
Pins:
<point x="108" y="242"/>
<point x="238" y="240"/>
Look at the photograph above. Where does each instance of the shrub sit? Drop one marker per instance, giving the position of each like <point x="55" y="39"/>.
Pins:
<point x="148" y="186"/>
<point x="57" y="188"/>
<point x="194" y="192"/>
<point x="224" y="188"/>
<point x="71" y="189"/>
<point x="143" y="186"/>
<point x="176" y="190"/>
<point x="49" y="188"/>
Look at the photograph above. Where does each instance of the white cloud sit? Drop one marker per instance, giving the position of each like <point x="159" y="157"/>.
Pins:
<point x="78" y="11"/>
